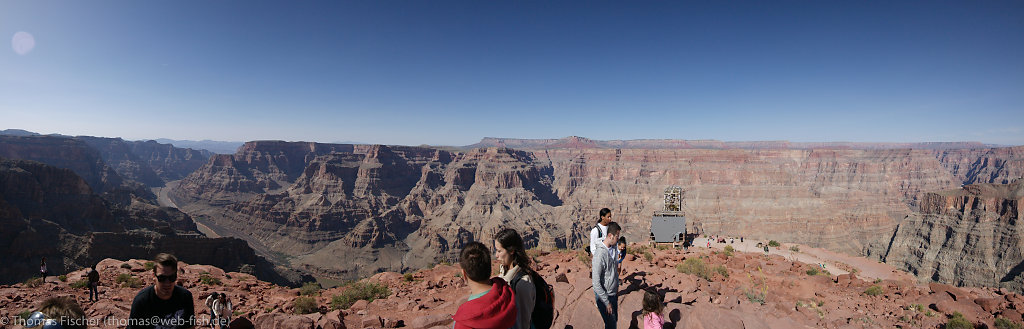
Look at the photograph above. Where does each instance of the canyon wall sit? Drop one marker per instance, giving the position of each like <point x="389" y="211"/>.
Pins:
<point x="346" y="211"/>
<point x="967" y="237"/>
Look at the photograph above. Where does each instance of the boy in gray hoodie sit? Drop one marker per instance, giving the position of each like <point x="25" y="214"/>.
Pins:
<point x="605" y="276"/>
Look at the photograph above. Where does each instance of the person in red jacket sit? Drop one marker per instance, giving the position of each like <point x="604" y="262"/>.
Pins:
<point x="491" y="304"/>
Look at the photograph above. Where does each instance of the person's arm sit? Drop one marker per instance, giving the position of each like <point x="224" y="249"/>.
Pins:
<point x="136" y="316"/>
<point x="593" y="239"/>
<point x="190" y="312"/>
<point x="528" y="291"/>
<point x="597" y="276"/>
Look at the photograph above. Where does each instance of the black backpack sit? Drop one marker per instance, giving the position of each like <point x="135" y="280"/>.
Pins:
<point x="544" y="306"/>
<point x="600" y="234"/>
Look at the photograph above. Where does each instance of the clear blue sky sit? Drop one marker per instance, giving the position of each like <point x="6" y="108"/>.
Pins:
<point x="440" y="72"/>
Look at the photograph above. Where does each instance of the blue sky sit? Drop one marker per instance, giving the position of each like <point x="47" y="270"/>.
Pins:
<point x="443" y="72"/>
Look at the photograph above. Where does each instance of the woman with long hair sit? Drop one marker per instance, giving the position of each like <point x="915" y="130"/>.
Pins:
<point x="514" y="267"/>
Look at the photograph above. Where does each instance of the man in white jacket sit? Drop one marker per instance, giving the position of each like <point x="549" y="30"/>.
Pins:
<point x="598" y="233"/>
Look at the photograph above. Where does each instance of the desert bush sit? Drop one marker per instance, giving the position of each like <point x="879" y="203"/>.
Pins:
<point x="33" y="282"/>
<point x="128" y="281"/>
<point x="126" y="266"/>
<point x="80" y="284"/>
<point x="408" y="277"/>
<point x="648" y="256"/>
<point x="359" y="291"/>
<point x="1004" y="323"/>
<point x="149" y="266"/>
<point x="773" y="243"/>
<point x="813" y="271"/>
<point x="305" y="305"/>
<point x="957" y="321"/>
<point x="208" y="280"/>
<point x="794" y="249"/>
<point x="729" y="250"/>
<point x="310" y="289"/>
<point x="63" y="278"/>
<point x="755" y="297"/>
<point x="695" y="266"/>
<point x="874" y="291"/>
<point x="721" y="270"/>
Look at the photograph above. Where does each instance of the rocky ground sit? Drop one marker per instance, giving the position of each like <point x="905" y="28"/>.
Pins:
<point x="741" y="290"/>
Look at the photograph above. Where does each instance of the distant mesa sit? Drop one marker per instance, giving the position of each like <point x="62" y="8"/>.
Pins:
<point x="582" y="142"/>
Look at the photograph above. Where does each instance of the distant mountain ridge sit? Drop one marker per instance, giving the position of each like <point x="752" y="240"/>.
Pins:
<point x="583" y="142"/>
<point x="218" y="147"/>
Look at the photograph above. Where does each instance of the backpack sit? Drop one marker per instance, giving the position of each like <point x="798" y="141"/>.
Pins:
<point x="600" y="234"/>
<point x="543" y="307"/>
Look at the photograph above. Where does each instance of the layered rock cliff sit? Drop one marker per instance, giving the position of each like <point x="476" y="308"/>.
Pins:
<point x="968" y="237"/>
<point x="349" y="211"/>
<point x="52" y="212"/>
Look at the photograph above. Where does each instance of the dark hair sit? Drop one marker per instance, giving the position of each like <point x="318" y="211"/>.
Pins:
<point x="622" y="240"/>
<point x="65" y="311"/>
<point x="513" y="244"/>
<point x="653" y="302"/>
<point x="613" y="228"/>
<point x="604" y="212"/>
<point x="166" y="260"/>
<point x="475" y="259"/>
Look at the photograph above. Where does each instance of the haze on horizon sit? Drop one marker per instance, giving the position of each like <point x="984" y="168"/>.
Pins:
<point x="452" y="72"/>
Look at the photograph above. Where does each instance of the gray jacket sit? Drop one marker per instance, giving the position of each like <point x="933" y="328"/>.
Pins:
<point x="526" y="296"/>
<point x="605" y="275"/>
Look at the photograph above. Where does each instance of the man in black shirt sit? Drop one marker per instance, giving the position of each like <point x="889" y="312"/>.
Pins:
<point x="163" y="305"/>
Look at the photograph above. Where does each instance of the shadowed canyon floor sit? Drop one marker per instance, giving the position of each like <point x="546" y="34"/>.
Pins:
<point x="737" y="290"/>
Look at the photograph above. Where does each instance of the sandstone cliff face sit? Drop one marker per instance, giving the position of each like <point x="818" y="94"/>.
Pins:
<point x="118" y="154"/>
<point x="169" y="162"/>
<point x="973" y="166"/>
<point x="967" y="237"/>
<point x="372" y="205"/>
<point x="77" y="156"/>
<point x="51" y="212"/>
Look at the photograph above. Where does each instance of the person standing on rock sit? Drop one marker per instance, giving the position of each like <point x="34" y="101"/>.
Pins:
<point x="514" y="268"/>
<point x="42" y="269"/>
<point x="163" y="305"/>
<point x="605" y="277"/>
<point x="210" y="300"/>
<point x="491" y="303"/>
<point x="94" y="283"/>
<point x="223" y="308"/>
<point x="599" y="231"/>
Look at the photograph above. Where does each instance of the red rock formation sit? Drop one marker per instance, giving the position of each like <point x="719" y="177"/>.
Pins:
<point x="755" y="291"/>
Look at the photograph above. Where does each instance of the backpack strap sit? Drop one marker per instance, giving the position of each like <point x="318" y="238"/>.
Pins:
<point x="518" y="277"/>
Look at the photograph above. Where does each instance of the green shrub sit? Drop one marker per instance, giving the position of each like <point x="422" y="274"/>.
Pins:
<point x="773" y="243"/>
<point x="1004" y="323"/>
<point x="408" y="277"/>
<point x="33" y="282"/>
<point x="359" y="291"/>
<point x="648" y="256"/>
<point x="128" y="281"/>
<point x="695" y="266"/>
<point x="208" y="280"/>
<point x="813" y="271"/>
<point x="24" y="315"/>
<point x="80" y="284"/>
<point x="310" y="289"/>
<point x="305" y="305"/>
<point x="126" y="266"/>
<point x="149" y="266"/>
<point x="794" y="249"/>
<point x="721" y="270"/>
<point x="755" y="297"/>
<point x="874" y="291"/>
<point x="957" y="321"/>
<point x="729" y="250"/>
<point x="63" y="278"/>
<point x="662" y="247"/>
<point x="877" y="281"/>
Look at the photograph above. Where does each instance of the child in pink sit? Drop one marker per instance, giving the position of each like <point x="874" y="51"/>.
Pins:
<point x="653" y="307"/>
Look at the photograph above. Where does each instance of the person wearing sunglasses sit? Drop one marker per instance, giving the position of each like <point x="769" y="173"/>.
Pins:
<point x="57" y="313"/>
<point x="163" y="305"/>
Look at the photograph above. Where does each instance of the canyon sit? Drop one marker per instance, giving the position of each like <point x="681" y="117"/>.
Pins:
<point x="348" y="211"/>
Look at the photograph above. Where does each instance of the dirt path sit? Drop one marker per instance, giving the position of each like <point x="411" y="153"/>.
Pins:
<point x="834" y="262"/>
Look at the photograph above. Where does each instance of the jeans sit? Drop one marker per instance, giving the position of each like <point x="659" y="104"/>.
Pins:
<point x="93" y="293"/>
<point x="609" y="319"/>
